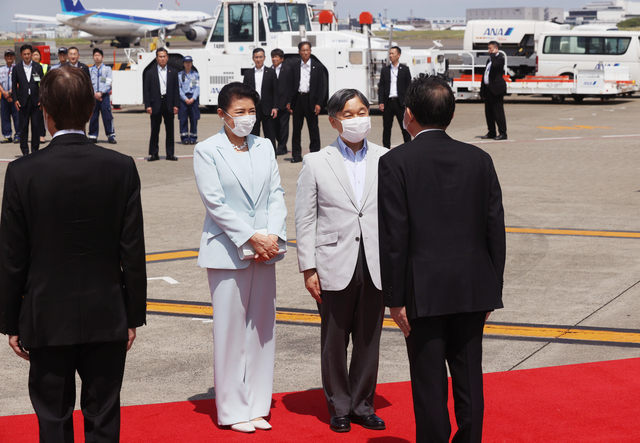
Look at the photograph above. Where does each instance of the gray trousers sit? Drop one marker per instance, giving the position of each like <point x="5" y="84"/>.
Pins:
<point x="355" y="311"/>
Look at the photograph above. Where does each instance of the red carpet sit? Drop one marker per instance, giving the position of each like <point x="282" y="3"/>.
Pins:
<point x="595" y="402"/>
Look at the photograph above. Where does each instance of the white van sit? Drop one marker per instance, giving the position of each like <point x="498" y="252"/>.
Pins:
<point x="559" y="53"/>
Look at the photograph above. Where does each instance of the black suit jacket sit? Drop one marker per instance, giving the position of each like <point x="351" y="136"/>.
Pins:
<point x="21" y="84"/>
<point x="384" y="86"/>
<point x="284" y="85"/>
<point x="441" y="225"/>
<point x="497" y="85"/>
<point x="72" y="257"/>
<point x="269" y="90"/>
<point x="84" y="68"/>
<point x="151" y="89"/>
<point x="317" y="84"/>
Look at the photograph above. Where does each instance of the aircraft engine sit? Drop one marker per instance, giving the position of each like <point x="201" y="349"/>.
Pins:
<point x="196" y="33"/>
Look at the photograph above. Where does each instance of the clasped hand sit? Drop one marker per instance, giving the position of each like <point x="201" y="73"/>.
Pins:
<point x="266" y="246"/>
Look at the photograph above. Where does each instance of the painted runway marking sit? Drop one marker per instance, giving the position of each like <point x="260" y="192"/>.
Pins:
<point x="574" y="127"/>
<point x="617" y="336"/>
<point x="167" y="279"/>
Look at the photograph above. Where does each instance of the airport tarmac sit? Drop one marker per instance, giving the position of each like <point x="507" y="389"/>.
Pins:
<point x="570" y="179"/>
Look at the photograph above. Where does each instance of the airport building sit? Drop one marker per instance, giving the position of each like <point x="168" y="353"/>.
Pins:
<point x="518" y="13"/>
<point x="609" y="12"/>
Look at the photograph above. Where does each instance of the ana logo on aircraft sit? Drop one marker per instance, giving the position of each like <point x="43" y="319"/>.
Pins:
<point x="498" y="31"/>
<point x="75" y="2"/>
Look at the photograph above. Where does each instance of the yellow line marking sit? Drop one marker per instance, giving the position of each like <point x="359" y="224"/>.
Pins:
<point x="574" y="232"/>
<point x="171" y="255"/>
<point x="490" y="329"/>
<point x="592" y="127"/>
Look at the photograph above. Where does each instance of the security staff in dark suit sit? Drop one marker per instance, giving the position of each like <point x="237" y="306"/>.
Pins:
<point x="493" y="89"/>
<point x="74" y="60"/>
<point x="72" y="266"/>
<point x="394" y="81"/>
<point x="281" y="122"/>
<point x="305" y="100"/>
<point x="161" y="95"/>
<point x="264" y="80"/>
<point x="26" y="80"/>
<point x="442" y="255"/>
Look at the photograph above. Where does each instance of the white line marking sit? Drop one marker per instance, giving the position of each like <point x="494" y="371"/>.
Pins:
<point x="619" y="136"/>
<point x="167" y="279"/>
<point x="202" y="320"/>
<point x="570" y="118"/>
<point x="559" y="138"/>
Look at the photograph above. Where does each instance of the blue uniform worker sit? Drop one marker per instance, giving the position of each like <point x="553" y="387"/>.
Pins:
<point x="8" y="109"/>
<point x="189" y="112"/>
<point x="101" y="79"/>
<point x="62" y="57"/>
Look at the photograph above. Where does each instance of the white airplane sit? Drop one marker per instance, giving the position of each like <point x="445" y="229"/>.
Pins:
<point x="386" y="26"/>
<point x="125" y="26"/>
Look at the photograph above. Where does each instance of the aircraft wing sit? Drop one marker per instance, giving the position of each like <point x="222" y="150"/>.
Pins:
<point x="180" y="25"/>
<point x="22" y="18"/>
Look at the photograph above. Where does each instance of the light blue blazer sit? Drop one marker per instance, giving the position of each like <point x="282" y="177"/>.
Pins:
<point x="238" y="201"/>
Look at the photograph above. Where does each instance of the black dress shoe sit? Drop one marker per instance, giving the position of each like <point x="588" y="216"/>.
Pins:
<point x="489" y="135"/>
<point x="340" y="424"/>
<point x="501" y="137"/>
<point x="296" y="160"/>
<point x="173" y="158"/>
<point x="153" y="158"/>
<point x="370" y="422"/>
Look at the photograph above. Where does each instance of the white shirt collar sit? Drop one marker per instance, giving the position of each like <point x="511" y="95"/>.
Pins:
<point x="162" y="69"/>
<point x="259" y="70"/>
<point x="308" y="63"/>
<point x="29" y="64"/>
<point x="427" y="130"/>
<point x="67" y="131"/>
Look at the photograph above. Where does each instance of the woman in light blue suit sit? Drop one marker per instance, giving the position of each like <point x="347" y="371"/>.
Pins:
<point x="238" y="179"/>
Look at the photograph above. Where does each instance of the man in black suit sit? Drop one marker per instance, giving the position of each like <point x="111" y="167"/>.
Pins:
<point x="264" y="80"/>
<point x="394" y="81"/>
<point x="305" y="100"/>
<point x="281" y="122"/>
<point x="72" y="266"/>
<point x="442" y="255"/>
<point x="26" y="80"/>
<point x="161" y="95"/>
<point x="74" y="60"/>
<point x="493" y="89"/>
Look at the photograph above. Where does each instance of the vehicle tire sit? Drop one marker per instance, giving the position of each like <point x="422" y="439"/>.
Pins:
<point x="557" y="98"/>
<point x="578" y="98"/>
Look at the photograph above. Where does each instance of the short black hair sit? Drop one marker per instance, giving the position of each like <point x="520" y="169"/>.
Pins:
<point x="397" y="48"/>
<point x="234" y="91"/>
<point x="162" y="50"/>
<point x="277" y="52"/>
<point x="301" y="44"/>
<point x="98" y="50"/>
<point x="25" y="47"/>
<point x="494" y="43"/>
<point x="73" y="47"/>
<point x="431" y="101"/>
<point x="257" y="50"/>
<point x="340" y="98"/>
<point x="36" y="50"/>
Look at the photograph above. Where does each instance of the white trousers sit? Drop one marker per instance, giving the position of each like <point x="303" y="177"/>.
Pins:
<point x="244" y="344"/>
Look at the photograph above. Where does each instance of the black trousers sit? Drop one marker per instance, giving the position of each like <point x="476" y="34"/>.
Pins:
<point x="29" y="111"/>
<point x="267" y="126"/>
<point x="281" y="129"/>
<point x="392" y="109"/>
<point x="304" y="110"/>
<point x="156" y="121"/>
<point x="52" y="389"/>
<point x="456" y="339"/>
<point x="494" y="113"/>
<point x="355" y="311"/>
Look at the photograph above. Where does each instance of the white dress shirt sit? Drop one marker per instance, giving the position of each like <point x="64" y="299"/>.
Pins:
<point x="162" y="76"/>
<point x="67" y="131"/>
<point x="27" y="72"/>
<point x="356" y="164"/>
<point x="278" y="69"/>
<point x="393" y="88"/>
<point x="305" y="76"/>
<point x="486" y="73"/>
<point x="259" y="75"/>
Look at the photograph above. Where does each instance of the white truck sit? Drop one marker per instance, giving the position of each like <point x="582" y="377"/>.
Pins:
<point x="517" y="40"/>
<point x="351" y="59"/>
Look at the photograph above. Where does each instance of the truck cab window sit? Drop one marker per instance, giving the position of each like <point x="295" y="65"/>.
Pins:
<point x="218" y="32"/>
<point x="299" y="16"/>
<point x="278" y="19"/>
<point x="241" y="23"/>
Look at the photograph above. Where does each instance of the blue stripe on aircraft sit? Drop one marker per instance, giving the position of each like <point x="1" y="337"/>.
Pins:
<point x="121" y="17"/>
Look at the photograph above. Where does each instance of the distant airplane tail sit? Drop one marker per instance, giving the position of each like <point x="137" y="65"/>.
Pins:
<point x="71" y="6"/>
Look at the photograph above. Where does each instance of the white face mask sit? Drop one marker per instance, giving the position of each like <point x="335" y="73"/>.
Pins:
<point x="243" y="124"/>
<point x="355" y="129"/>
<point x="404" y="125"/>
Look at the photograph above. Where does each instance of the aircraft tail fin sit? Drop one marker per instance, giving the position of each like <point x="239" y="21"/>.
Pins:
<point x="72" y="6"/>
